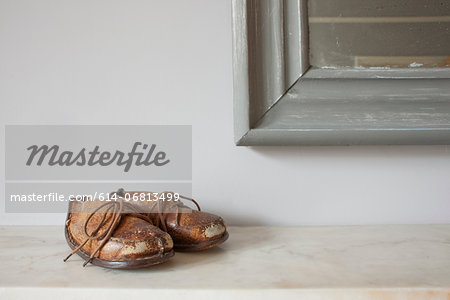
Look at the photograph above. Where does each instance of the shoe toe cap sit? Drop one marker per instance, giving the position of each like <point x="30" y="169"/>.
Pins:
<point x="197" y="227"/>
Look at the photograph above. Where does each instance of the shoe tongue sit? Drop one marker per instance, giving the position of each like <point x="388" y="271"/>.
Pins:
<point x="174" y="206"/>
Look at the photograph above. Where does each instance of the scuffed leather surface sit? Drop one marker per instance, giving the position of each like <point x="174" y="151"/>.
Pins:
<point x="133" y="239"/>
<point x="188" y="226"/>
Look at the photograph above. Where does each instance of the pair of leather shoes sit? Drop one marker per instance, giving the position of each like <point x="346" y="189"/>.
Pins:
<point x="139" y="229"/>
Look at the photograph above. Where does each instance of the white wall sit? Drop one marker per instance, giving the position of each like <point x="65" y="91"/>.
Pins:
<point x="169" y="62"/>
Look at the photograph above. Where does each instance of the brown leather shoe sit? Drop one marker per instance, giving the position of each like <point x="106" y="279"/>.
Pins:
<point x="115" y="235"/>
<point x="191" y="230"/>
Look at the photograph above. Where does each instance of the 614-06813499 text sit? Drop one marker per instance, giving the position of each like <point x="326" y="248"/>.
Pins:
<point x="97" y="196"/>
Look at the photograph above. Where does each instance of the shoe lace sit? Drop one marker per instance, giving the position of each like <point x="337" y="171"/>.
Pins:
<point x="159" y="207"/>
<point x="118" y="208"/>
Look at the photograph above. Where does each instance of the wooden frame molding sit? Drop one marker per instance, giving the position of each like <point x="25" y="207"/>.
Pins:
<point x="279" y="100"/>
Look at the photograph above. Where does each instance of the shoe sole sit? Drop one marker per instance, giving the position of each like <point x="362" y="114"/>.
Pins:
<point x="203" y="245"/>
<point x="124" y="265"/>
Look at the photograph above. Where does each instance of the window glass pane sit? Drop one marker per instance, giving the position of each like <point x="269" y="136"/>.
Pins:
<point x="379" y="33"/>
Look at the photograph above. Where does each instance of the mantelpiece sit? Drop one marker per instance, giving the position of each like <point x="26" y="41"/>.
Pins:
<point x="355" y="262"/>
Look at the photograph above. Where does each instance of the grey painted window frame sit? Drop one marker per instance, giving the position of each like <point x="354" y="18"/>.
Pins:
<point x="280" y="100"/>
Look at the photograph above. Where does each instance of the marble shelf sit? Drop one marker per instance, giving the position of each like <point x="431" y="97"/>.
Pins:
<point x="350" y="262"/>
